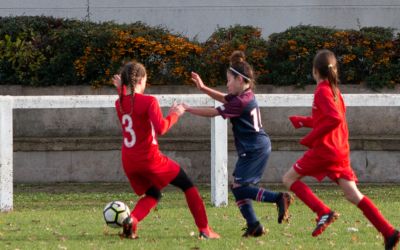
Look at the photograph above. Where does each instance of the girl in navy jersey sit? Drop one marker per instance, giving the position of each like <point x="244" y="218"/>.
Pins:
<point x="147" y="169"/>
<point x="252" y="143"/>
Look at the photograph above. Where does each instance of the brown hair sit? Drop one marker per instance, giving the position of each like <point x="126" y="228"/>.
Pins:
<point x="326" y="65"/>
<point x="239" y="67"/>
<point x="131" y="73"/>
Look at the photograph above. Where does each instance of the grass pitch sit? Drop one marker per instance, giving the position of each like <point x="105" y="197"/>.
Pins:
<point x="69" y="216"/>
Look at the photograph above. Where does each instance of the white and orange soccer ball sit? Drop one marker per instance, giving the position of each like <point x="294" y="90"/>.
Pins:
<point x="115" y="213"/>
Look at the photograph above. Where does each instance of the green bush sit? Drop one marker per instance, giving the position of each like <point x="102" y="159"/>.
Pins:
<point x="366" y="55"/>
<point x="43" y="51"/>
<point x="223" y="42"/>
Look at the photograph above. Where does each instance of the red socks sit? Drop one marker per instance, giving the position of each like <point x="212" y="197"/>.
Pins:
<point x="196" y="207"/>
<point x="194" y="201"/>
<point x="306" y="195"/>
<point x="375" y="217"/>
<point x="143" y="207"/>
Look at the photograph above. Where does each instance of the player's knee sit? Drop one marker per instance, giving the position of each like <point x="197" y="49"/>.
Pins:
<point x="238" y="190"/>
<point x="182" y="181"/>
<point x="353" y="197"/>
<point x="154" y="192"/>
<point x="286" y="180"/>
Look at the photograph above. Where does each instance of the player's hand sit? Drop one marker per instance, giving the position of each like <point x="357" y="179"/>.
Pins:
<point x="180" y="110"/>
<point x="116" y="81"/>
<point x="296" y="121"/>
<point x="186" y="107"/>
<point x="197" y="80"/>
<point x="177" y="108"/>
<point x="306" y="142"/>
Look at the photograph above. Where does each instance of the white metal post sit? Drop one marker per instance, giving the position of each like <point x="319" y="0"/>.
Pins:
<point x="6" y="153"/>
<point x="219" y="161"/>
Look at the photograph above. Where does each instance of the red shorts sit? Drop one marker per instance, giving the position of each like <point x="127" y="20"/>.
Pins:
<point x="312" y="165"/>
<point x="142" y="175"/>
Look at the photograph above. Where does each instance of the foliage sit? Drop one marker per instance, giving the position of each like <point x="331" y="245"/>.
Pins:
<point x="367" y="55"/>
<point x="53" y="51"/>
<point x="223" y="42"/>
<point x="168" y="58"/>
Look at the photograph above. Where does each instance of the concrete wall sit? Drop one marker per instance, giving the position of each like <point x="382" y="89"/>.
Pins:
<point x="83" y="144"/>
<point x="200" y="18"/>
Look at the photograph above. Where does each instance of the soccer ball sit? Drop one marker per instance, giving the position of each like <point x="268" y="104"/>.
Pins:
<point x="115" y="213"/>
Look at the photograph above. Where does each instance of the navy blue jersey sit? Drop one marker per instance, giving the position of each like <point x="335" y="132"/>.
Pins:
<point x="245" y="117"/>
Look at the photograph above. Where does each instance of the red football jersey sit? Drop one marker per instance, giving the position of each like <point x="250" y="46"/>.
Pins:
<point x="140" y="125"/>
<point x="329" y="137"/>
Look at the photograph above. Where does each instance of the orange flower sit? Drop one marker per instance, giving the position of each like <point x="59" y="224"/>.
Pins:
<point x="348" y="58"/>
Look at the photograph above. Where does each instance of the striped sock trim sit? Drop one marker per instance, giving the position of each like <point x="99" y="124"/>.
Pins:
<point x="260" y="194"/>
<point x="243" y="202"/>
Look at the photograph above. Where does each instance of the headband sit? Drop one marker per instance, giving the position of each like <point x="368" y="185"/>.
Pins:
<point x="237" y="72"/>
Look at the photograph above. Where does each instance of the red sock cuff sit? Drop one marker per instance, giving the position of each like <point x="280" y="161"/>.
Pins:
<point x="143" y="207"/>
<point x="375" y="217"/>
<point x="296" y="186"/>
<point x="196" y="206"/>
<point x="306" y="195"/>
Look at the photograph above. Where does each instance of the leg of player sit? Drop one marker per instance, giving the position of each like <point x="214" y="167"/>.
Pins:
<point x="244" y="203"/>
<point x="248" y="172"/>
<point x="141" y="210"/>
<point x="292" y="180"/>
<point x="371" y="212"/>
<point x="196" y="205"/>
<point x="282" y="200"/>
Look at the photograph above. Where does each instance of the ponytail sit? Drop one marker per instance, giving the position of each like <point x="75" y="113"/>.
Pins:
<point x="326" y="65"/>
<point x="131" y="73"/>
<point x="333" y="81"/>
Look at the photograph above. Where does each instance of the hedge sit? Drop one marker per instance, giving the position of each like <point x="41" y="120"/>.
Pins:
<point x="42" y="51"/>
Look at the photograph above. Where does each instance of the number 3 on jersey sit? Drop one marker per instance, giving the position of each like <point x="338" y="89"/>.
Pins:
<point x="127" y="124"/>
<point x="255" y="113"/>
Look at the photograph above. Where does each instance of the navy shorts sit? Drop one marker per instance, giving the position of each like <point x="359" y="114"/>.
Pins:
<point x="251" y="165"/>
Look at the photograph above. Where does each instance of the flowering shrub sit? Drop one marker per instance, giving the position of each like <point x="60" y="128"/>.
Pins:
<point x="223" y="42"/>
<point x="54" y="51"/>
<point x="168" y="58"/>
<point x="367" y="55"/>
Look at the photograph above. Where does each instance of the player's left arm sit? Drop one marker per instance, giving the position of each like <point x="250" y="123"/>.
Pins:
<point x="116" y="81"/>
<point x="301" y="121"/>
<point x="161" y="124"/>
<point x="330" y="119"/>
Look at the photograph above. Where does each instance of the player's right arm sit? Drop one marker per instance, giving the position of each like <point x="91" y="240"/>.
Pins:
<point x="162" y="125"/>
<point x="301" y="121"/>
<point x="205" y="112"/>
<point x="215" y="94"/>
<point x="329" y="120"/>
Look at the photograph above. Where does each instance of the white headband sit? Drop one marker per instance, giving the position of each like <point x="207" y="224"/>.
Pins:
<point x="237" y="72"/>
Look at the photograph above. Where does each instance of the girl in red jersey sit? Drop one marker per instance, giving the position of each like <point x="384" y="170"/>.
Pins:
<point x="252" y="143"/>
<point x="329" y="153"/>
<point x="147" y="169"/>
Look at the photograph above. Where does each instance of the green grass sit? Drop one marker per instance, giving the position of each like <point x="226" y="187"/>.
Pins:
<point x="69" y="216"/>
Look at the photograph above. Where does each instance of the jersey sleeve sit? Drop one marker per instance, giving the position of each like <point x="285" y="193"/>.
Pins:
<point x="118" y="109"/>
<point x="161" y="124"/>
<point x="121" y="90"/>
<point x="301" y="121"/>
<point x="330" y="118"/>
<point x="233" y="107"/>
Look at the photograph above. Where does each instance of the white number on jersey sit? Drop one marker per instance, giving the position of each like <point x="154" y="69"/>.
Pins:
<point x="255" y="113"/>
<point x="127" y="124"/>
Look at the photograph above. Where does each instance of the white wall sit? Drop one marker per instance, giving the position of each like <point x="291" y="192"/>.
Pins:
<point x="200" y="18"/>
